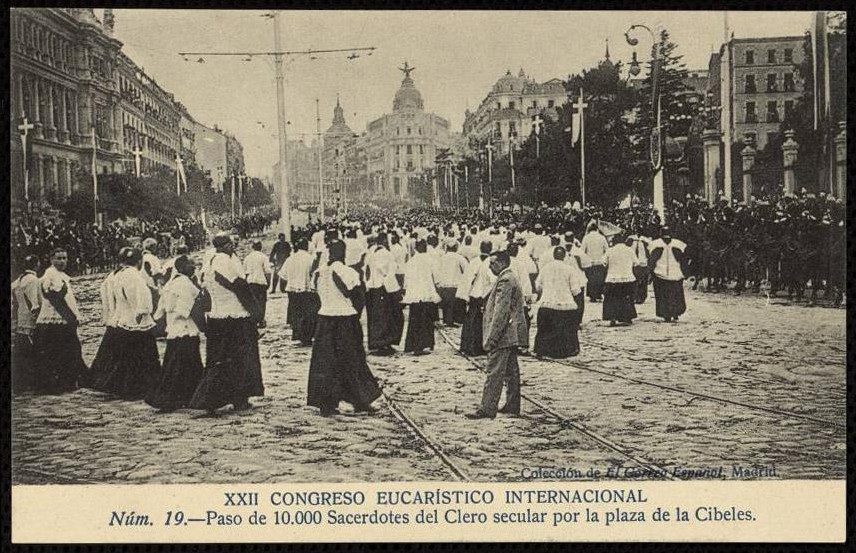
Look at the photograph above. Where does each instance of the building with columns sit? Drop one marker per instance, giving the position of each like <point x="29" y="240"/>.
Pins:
<point x="400" y="145"/>
<point x="509" y="107"/>
<point x="71" y="81"/>
<point x="64" y="83"/>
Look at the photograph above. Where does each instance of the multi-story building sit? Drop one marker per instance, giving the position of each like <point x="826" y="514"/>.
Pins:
<point x="234" y="156"/>
<point x="765" y="84"/>
<point x="509" y="108"/>
<point x="75" y="94"/>
<point x="302" y="170"/>
<point x="150" y="118"/>
<point x="63" y="83"/>
<point x="400" y="145"/>
<point x="187" y="132"/>
<point x="340" y="145"/>
<point x="210" y="147"/>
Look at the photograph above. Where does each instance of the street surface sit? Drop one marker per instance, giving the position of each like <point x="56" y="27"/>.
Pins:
<point x="786" y="358"/>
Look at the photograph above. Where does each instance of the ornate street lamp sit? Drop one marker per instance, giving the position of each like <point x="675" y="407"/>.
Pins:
<point x="656" y="132"/>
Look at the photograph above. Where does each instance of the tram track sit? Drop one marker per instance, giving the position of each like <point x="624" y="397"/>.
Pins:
<point x="566" y="421"/>
<point x="405" y="420"/>
<point x="584" y="366"/>
<point x="635" y="356"/>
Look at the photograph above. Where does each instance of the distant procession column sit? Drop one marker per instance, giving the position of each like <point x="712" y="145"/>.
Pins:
<point x="841" y="162"/>
<point x="748" y="157"/>
<point x="711" y="139"/>
<point x="790" y="149"/>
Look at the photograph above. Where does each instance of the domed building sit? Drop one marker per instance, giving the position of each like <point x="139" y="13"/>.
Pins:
<point x="401" y="145"/>
<point x="508" y="109"/>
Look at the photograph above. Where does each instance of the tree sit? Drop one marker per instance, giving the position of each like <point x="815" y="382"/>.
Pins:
<point x="549" y="171"/>
<point x="676" y="115"/>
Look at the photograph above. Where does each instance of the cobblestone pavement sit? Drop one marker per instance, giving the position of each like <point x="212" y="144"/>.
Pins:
<point x="744" y="349"/>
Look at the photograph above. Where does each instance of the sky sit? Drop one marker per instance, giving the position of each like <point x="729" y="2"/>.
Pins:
<point x="458" y="56"/>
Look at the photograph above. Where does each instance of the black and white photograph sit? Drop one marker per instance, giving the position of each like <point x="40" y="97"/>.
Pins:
<point x="283" y="247"/>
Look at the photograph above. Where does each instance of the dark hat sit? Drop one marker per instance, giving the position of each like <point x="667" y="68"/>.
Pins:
<point x="221" y="239"/>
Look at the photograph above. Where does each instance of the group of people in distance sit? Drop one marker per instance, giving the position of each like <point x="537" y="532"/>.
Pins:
<point x="487" y="280"/>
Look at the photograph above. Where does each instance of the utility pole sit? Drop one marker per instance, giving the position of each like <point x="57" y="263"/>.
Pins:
<point x="277" y="54"/>
<point x="320" y="163"/>
<point x="489" y="149"/>
<point x="726" y="99"/>
<point x="284" y="199"/>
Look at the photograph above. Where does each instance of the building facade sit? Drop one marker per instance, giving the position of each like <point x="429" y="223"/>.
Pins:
<point x="398" y="146"/>
<point x="508" y="109"/>
<point x="150" y="119"/>
<point x="77" y="95"/>
<point x="210" y="150"/>
<point x="63" y="84"/>
<point x="765" y="84"/>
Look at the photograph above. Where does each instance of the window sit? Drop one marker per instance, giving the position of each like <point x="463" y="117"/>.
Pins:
<point x="750" y="84"/>
<point x="419" y="129"/>
<point x="409" y="165"/>
<point x="534" y="103"/>
<point x="771" y="82"/>
<point x="789" y="82"/>
<point x="789" y="55"/>
<point x="512" y="128"/>
<point x="398" y="130"/>
<point x="409" y="149"/>
<point x="498" y="105"/>
<point x="551" y="103"/>
<point x="421" y="149"/>
<point x="511" y="104"/>
<point x="789" y="107"/>
<point x="408" y="130"/>
<point x="751" y="117"/>
<point x="498" y="130"/>
<point x="397" y="150"/>
<point x="750" y="57"/>
<point x="771" y="56"/>
<point x="772" y="112"/>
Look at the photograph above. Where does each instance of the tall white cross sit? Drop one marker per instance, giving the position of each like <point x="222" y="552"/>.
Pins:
<point x="138" y="154"/>
<point x="537" y="121"/>
<point x="25" y="127"/>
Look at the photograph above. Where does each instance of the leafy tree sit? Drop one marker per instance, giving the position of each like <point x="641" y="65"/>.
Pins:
<point x="676" y="115"/>
<point x="547" y="169"/>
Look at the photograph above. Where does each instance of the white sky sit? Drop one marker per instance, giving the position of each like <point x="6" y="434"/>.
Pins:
<point x="458" y="56"/>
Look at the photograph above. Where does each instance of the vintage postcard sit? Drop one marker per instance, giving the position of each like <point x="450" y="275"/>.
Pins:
<point x="332" y="276"/>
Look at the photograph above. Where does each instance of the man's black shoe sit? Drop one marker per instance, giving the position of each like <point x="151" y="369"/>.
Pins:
<point x="479" y="415"/>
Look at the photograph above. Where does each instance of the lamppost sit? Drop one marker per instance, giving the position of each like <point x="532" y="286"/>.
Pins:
<point x="656" y="132"/>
